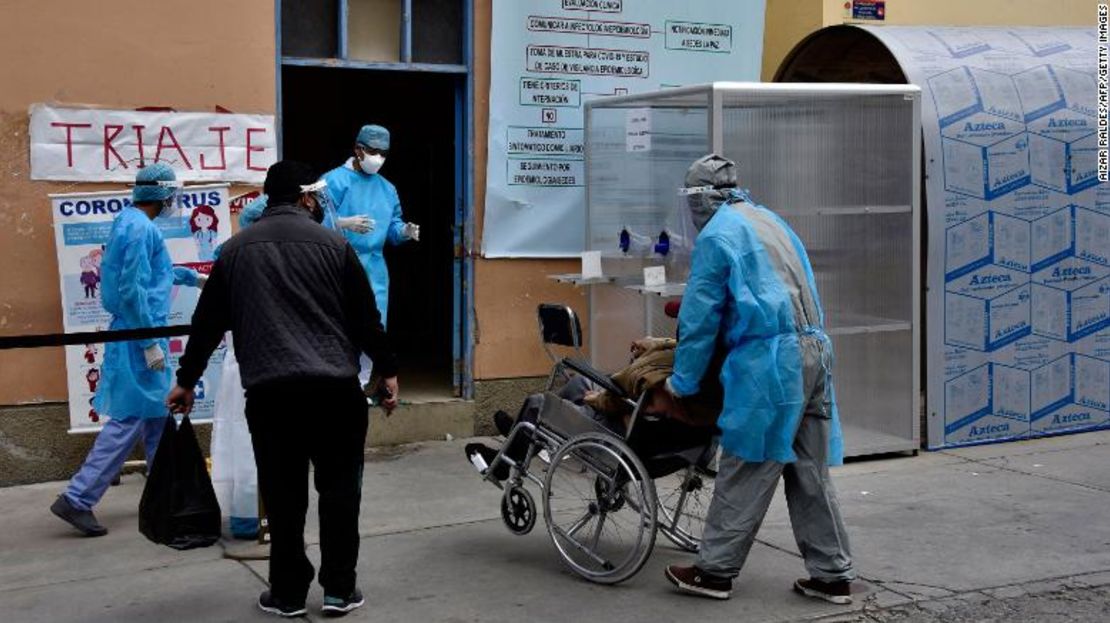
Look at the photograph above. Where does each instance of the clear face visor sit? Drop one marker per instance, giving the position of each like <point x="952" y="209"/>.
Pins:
<point x="319" y="191"/>
<point x="702" y="202"/>
<point x="172" y="188"/>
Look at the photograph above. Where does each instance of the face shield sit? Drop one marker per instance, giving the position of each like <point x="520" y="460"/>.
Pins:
<point x="164" y="192"/>
<point x="677" y="240"/>
<point x="169" y="204"/>
<point x="324" y="213"/>
<point x="702" y="202"/>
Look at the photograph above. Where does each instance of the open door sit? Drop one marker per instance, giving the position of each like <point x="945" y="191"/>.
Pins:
<point x="322" y="110"/>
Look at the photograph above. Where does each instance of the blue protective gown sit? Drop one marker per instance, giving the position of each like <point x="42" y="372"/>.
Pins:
<point x="354" y="193"/>
<point x="735" y="296"/>
<point x="137" y="278"/>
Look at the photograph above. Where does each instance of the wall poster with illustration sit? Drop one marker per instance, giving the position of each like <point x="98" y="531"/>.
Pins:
<point x="82" y="224"/>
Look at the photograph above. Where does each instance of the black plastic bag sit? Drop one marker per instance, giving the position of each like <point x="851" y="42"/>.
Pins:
<point x="179" y="508"/>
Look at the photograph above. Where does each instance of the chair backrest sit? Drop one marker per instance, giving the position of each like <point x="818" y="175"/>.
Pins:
<point x="559" y="326"/>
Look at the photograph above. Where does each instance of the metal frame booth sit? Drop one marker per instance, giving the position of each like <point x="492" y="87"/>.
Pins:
<point x="839" y="162"/>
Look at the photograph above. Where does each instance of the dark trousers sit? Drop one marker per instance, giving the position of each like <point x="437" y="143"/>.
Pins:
<point x="292" y="423"/>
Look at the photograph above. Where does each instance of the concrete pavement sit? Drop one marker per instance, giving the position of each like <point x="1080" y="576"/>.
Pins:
<point x="930" y="533"/>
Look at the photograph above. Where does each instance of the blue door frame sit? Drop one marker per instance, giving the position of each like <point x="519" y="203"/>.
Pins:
<point x="463" y="281"/>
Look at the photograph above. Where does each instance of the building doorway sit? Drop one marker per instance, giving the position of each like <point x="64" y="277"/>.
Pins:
<point x="322" y="110"/>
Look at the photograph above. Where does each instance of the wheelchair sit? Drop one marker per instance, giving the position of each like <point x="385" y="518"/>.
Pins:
<point x="604" y="495"/>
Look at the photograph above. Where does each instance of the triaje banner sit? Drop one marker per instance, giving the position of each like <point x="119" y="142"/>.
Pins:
<point x="82" y="223"/>
<point x="95" y="145"/>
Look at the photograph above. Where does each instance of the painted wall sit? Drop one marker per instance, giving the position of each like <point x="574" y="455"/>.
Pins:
<point x="789" y="21"/>
<point x="116" y="54"/>
<point x="786" y="23"/>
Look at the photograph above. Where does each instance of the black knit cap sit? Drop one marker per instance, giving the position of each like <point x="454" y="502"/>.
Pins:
<point x="284" y="180"/>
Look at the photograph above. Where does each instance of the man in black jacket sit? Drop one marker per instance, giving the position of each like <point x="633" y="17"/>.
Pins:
<point x="300" y="310"/>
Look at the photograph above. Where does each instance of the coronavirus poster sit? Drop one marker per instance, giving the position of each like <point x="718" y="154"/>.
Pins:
<point x="551" y="56"/>
<point x="82" y="224"/>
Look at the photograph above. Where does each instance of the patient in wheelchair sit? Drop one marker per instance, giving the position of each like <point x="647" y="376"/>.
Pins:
<point x="664" y="422"/>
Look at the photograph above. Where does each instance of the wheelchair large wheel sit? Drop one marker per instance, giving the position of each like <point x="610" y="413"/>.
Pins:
<point x="600" y="508"/>
<point x="684" y="499"/>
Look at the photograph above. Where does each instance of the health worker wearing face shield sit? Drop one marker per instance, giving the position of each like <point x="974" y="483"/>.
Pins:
<point x="751" y="291"/>
<point x="137" y="277"/>
<point x="369" y="213"/>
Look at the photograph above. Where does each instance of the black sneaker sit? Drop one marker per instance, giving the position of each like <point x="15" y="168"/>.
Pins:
<point x="503" y="422"/>
<point x="338" y="606"/>
<point x="268" y="603"/>
<point x="501" y="472"/>
<point x="697" y="582"/>
<point x="84" y="521"/>
<point x="839" y="592"/>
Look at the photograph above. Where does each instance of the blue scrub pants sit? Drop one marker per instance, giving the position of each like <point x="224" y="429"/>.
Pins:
<point x="112" y="447"/>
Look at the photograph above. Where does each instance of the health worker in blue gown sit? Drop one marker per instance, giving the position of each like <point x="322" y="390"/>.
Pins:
<point x="137" y="277"/>
<point x="369" y="213"/>
<point x="752" y="293"/>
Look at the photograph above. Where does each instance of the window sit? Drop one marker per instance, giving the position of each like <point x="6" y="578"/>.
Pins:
<point x="375" y="31"/>
<point x="309" y="28"/>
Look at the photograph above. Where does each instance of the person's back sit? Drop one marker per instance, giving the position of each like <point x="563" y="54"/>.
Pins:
<point x="288" y="308"/>
<point x="135" y="275"/>
<point x="775" y="271"/>
<point x="767" y="310"/>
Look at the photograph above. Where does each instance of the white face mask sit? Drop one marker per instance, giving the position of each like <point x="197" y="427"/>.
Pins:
<point x="370" y="163"/>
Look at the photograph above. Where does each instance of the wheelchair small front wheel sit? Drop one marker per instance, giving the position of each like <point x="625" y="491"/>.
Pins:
<point x="518" y="510"/>
<point x="600" y="508"/>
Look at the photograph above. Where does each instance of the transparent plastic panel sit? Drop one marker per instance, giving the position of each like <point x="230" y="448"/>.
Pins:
<point x="873" y="375"/>
<point x="838" y="167"/>
<point x="617" y="318"/>
<point x="638" y="154"/>
<point x="862" y="266"/>
<point x="827" y="153"/>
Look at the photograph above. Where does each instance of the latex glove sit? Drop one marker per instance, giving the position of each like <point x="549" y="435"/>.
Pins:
<point x="669" y="387"/>
<point x="360" y="223"/>
<point x="155" y="358"/>
<point x="201" y="280"/>
<point x="411" y="231"/>
<point x="184" y="276"/>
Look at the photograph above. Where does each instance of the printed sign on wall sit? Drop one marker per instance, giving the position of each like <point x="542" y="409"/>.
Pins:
<point x="551" y="56"/>
<point x="82" y="224"/>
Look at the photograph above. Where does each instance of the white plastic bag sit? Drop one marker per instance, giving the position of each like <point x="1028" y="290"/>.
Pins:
<point x="234" y="475"/>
